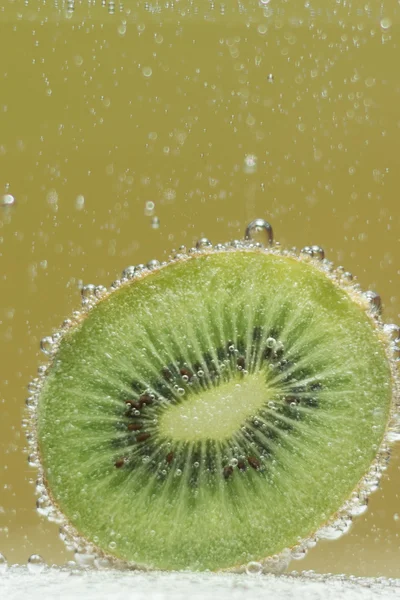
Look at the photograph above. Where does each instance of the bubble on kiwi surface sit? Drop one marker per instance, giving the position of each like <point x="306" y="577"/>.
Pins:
<point x="219" y="411"/>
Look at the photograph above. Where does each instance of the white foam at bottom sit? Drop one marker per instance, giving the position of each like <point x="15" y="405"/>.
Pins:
<point x="18" y="584"/>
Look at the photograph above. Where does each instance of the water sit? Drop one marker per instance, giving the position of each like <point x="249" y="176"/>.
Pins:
<point x="284" y="112"/>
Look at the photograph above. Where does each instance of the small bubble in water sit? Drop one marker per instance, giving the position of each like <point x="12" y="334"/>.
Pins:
<point x="7" y="200"/>
<point x="253" y="568"/>
<point x="122" y="29"/>
<point x="396" y="517"/>
<point x="149" y="208"/>
<point x="112" y="545"/>
<point x="386" y="23"/>
<point x="270" y="342"/>
<point x="3" y="564"/>
<point x="250" y="163"/>
<point x="147" y="71"/>
<point x="79" y="202"/>
<point x="52" y="197"/>
<point x="270" y="78"/>
<point x="36" y="564"/>
<point x="155" y="223"/>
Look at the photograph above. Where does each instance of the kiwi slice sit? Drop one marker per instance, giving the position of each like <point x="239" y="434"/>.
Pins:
<point x="215" y="409"/>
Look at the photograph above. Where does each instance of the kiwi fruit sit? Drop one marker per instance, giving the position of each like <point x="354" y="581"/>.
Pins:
<point x="220" y="409"/>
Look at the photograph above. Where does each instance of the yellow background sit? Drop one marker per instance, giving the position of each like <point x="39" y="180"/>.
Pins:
<point x="217" y="113"/>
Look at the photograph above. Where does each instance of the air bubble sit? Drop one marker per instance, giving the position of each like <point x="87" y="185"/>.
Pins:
<point x="79" y="202"/>
<point x="153" y="264"/>
<point x="35" y="564"/>
<point x="7" y="200"/>
<point x="386" y="23"/>
<point x="392" y="331"/>
<point x="88" y="291"/>
<point x="47" y="345"/>
<point x="270" y="78"/>
<point x="270" y="342"/>
<point x="374" y="300"/>
<point x="128" y="273"/>
<point x="203" y="243"/>
<point x="346" y="277"/>
<point x="3" y="564"/>
<point x="112" y="545"/>
<point x="306" y="251"/>
<point x="250" y="163"/>
<point x="253" y="568"/>
<point x="147" y="71"/>
<point x="149" y="208"/>
<point x="298" y="553"/>
<point x="318" y="252"/>
<point x="155" y="223"/>
<point x="100" y="291"/>
<point x="259" y="225"/>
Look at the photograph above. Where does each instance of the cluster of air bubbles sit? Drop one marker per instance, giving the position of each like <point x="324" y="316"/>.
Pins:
<point x="335" y="529"/>
<point x="275" y="564"/>
<point x="48" y="344"/>
<point x="313" y="252"/>
<point x="374" y="300"/>
<point x="343" y="276"/>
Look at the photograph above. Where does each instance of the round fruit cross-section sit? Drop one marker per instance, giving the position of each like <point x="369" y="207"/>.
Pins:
<point x="214" y="411"/>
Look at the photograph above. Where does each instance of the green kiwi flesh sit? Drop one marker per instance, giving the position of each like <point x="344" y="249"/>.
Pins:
<point x="213" y="412"/>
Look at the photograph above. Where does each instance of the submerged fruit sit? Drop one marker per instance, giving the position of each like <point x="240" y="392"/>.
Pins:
<point x="215" y="410"/>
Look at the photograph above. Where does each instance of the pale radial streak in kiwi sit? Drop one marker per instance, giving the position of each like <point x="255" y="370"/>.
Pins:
<point x="124" y="489"/>
<point x="269" y="312"/>
<point x="203" y="325"/>
<point x="90" y="396"/>
<point x="133" y="372"/>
